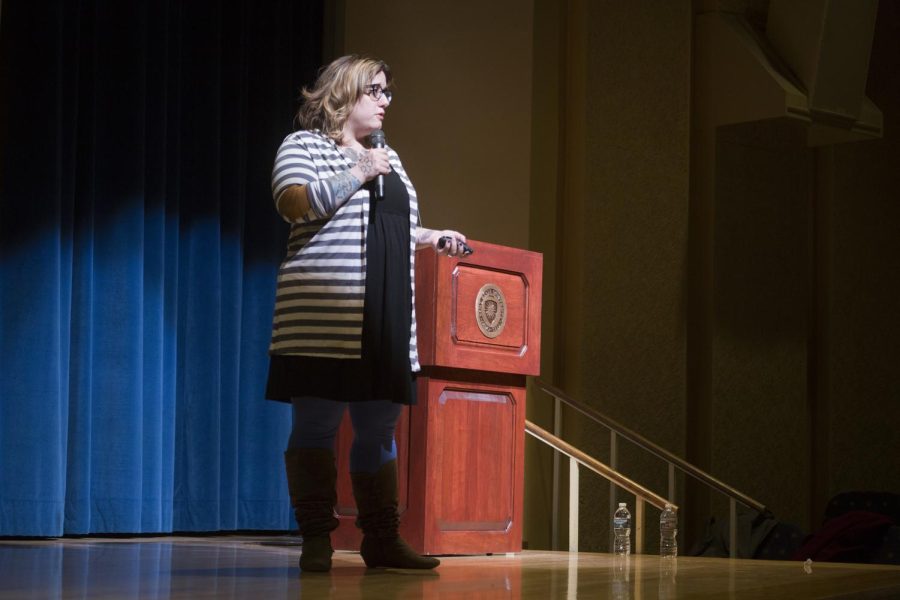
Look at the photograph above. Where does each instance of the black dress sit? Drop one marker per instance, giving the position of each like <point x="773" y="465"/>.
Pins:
<point x="384" y="371"/>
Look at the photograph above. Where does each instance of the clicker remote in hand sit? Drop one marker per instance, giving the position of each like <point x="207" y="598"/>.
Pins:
<point x="444" y="240"/>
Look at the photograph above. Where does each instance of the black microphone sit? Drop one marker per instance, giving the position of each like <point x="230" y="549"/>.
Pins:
<point x="377" y="140"/>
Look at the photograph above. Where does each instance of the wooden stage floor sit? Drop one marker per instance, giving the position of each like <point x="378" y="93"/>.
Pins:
<point x="266" y="568"/>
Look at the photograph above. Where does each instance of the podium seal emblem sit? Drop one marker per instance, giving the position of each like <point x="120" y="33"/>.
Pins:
<point x="490" y="310"/>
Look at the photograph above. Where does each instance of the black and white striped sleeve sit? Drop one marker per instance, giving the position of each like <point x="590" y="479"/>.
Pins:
<point x="295" y="165"/>
<point x="328" y="195"/>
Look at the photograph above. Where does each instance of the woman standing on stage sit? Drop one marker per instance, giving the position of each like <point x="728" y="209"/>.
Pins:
<point x="344" y="331"/>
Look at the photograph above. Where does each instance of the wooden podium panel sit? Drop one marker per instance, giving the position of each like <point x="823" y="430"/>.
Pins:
<point x="464" y="331"/>
<point x="466" y="467"/>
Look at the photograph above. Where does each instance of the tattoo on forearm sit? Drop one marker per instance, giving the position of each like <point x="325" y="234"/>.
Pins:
<point x="342" y="186"/>
<point x="366" y="164"/>
<point x="328" y="195"/>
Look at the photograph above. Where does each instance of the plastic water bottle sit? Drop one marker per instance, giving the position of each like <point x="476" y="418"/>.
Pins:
<point x="622" y="531"/>
<point x="668" y="529"/>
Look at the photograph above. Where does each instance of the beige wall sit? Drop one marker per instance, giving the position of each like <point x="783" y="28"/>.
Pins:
<point x="760" y="330"/>
<point x="859" y="260"/>
<point x="546" y="139"/>
<point x="614" y="233"/>
<point x="461" y="118"/>
<point x="635" y="216"/>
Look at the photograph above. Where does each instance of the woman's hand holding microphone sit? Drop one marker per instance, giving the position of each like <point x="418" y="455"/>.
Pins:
<point x="371" y="164"/>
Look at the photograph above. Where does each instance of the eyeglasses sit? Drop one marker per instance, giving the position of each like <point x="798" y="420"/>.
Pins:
<point x="376" y="91"/>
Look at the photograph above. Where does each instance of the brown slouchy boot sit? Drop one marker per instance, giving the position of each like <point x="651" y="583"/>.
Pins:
<point x="311" y="477"/>
<point x="376" y="500"/>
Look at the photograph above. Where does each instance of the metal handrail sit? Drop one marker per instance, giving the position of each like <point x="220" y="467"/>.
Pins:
<point x="649" y="446"/>
<point x="578" y="457"/>
<point x="596" y="466"/>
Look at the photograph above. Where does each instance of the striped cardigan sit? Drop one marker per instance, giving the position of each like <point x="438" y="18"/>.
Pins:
<point x="322" y="279"/>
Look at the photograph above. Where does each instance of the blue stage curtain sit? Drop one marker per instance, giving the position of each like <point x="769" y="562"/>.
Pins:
<point x="138" y="252"/>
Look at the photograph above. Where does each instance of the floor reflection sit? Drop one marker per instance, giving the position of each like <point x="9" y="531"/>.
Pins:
<point x="234" y="567"/>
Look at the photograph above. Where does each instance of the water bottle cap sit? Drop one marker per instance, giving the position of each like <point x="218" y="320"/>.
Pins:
<point x="622" y="505"/>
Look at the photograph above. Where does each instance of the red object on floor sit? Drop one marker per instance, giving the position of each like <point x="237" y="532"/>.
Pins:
<point x="850" y="537"/>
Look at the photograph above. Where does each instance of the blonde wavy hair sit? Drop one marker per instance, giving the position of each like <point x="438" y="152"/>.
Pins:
<point x="327" y="105"/>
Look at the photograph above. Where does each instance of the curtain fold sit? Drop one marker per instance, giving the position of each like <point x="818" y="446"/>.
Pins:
<point x="138" y="253"/>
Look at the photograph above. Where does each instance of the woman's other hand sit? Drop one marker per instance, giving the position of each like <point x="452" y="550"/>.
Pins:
<point x="453" y="247"/>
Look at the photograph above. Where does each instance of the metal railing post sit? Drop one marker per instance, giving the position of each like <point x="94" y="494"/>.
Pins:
<point x="671" y="483"/>
<point x="732" y="528"/>
<point x="557" y="430"/>
<point x="573" y="505"/>
<point x="638" y="525"/>
<point x="614" y="463"/>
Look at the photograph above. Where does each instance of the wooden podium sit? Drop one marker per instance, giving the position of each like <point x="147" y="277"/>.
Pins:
<point x="461" y="448"/>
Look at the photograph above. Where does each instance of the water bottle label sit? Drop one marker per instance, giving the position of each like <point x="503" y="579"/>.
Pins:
<point x="620" y="522"/>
